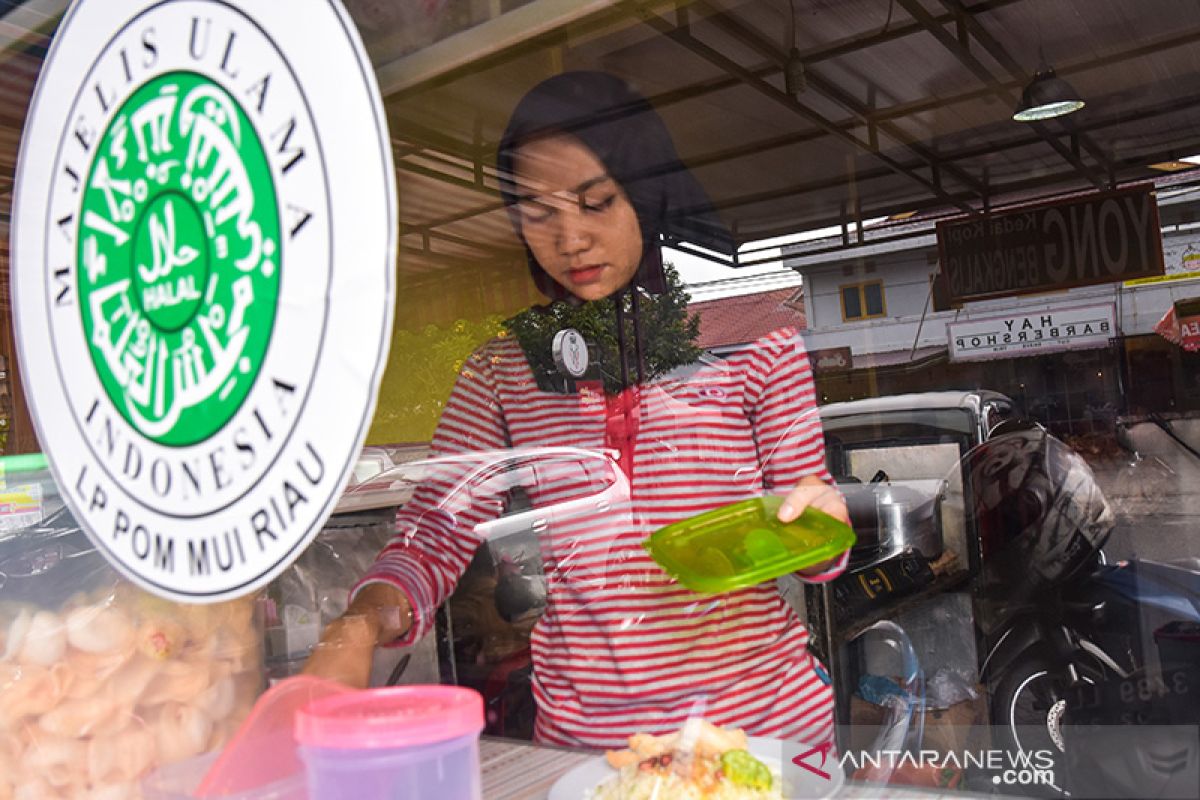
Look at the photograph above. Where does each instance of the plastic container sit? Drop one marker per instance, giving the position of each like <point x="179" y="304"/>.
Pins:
<point x="744" y="544"/>
<point x="181" y="781"/>
<point x="400" y="743"/>
<point x="106" y="681"/>
<point x="260" y="762"/>
<point x="262" y="753"/>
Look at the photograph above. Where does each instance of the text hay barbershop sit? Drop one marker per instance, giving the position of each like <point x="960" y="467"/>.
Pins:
<point x="1030" y="331"/>
<point x="238" y="536"/>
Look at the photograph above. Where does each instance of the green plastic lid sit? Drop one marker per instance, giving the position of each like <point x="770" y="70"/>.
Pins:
<point x="30" y="462"/>
<point x="744" y="544"/>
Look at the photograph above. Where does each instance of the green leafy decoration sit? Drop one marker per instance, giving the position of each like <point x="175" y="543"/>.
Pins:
<point x="424" y="363"/>
<point x="669" y="336"/>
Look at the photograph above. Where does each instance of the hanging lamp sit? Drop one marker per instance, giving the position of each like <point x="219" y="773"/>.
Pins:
<point x="1047" y="96"/>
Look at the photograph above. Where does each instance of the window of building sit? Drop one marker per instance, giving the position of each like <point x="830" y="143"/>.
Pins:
<point x="863" y="301"/>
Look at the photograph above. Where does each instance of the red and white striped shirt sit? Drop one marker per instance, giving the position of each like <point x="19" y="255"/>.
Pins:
<point x="621" y="647"/>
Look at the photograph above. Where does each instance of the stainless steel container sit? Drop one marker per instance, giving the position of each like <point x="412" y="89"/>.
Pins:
<point x="890" y="517"/>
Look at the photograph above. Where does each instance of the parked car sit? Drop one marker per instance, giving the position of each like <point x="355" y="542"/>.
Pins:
<point x="897" y="460"/>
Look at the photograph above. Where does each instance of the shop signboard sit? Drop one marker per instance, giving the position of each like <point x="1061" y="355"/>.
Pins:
<point x="1182" y="263"/>
<point x="1181" y="324"/>
<point x="1105" y="237"/>
<point x="1033" y="333"/>
<point x="203" y="249"/>
<point x="1168" y="277"/>
<point x="832" y="359"/>
<point x="1189" y="330"/>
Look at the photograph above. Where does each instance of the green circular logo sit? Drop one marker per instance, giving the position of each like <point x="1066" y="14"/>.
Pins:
<point x="177" y="261"/>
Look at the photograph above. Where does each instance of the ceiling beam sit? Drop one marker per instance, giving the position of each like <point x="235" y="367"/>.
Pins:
<point x="487" y="44"/>
<point x="1015" y="71"/>
<point x="429" y="139"/>
<point x="450" y="219"/>
<point x="495" y="250"/>
<point x="412" y="132"/>
<point x="845" y="47"/>
<point x="818" y="130"/>
<point x="542" y="23"/>
<point x="773" y="66"/>
<point x="742" y="33"/>
<point x="863" y="176"/>
<point x="1018" y="187"/>
<point x="968" y="60"/>
<point x="1142" y="160"/>
<point x="444" y="177"/>
<point x="1170" y="42"/>
<point x="684" y="38"/>
<point x="819" y="53"/>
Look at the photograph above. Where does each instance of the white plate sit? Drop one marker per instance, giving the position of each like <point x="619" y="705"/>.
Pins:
<point x="575" y="785"/>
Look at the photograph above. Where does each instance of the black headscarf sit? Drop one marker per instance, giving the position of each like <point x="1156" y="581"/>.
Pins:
<point x="629" y="138"/>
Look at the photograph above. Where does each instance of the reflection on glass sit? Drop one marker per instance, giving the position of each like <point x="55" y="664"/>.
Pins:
<point x="546" y="474"/>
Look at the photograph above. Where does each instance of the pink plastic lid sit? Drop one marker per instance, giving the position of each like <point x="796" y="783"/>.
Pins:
<point x="263" y="749"/>
<point x="396" y="716"/>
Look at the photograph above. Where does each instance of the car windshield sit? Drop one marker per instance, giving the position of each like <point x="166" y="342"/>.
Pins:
<point x="906" y="444"/>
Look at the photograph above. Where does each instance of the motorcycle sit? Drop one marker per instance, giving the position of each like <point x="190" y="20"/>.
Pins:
<point x="1075" y="643"/>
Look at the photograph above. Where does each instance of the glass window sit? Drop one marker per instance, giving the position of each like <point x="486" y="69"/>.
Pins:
<point x="862" y="301"/>
<point x="855" y="440"/>
<point x="873" y="293"/>
<point x="851" y="304"/>
<point x="523" y="468"/>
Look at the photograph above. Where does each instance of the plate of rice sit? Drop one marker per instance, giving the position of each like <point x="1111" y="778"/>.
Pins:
<point x="700" y="762"/>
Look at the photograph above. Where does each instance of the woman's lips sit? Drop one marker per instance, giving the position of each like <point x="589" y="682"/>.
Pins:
<point x="584" y="275"/>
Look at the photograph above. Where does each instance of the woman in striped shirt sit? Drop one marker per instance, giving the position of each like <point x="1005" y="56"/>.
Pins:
<point x="591" y="180"/>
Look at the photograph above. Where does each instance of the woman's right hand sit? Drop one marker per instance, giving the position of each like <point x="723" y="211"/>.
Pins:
<point x="378" y="615"/>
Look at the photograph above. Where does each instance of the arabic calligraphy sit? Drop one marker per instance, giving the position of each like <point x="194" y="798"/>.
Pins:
<point x="178" y="258"/>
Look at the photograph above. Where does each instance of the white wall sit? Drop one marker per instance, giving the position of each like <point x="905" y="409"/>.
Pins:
<point x="905" y="276"/>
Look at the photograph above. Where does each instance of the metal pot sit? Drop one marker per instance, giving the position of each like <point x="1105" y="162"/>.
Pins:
<point x="890" y="517"/>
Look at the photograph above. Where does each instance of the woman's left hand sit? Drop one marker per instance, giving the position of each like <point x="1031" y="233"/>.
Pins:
<point x="812" y="491"/>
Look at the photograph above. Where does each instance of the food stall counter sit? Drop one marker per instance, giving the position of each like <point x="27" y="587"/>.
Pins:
<point x="518" y="770"/>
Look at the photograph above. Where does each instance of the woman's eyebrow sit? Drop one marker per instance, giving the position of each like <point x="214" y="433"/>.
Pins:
<point x="583" y="187"/>
<point x="577" y="191"/>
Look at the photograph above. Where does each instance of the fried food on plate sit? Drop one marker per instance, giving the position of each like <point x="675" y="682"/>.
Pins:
<point x="699" y="762"/>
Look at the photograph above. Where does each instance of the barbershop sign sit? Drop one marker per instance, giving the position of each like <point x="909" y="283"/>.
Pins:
<point x="203" y="252"/>
<point x="1032" y="334"/>
<point x="1099" y="238"/>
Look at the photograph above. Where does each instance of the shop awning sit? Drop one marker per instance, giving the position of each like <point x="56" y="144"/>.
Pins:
<point x="921" y="357"/>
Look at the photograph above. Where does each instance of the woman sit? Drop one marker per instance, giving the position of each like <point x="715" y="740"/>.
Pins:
<point x="592" y="181"/>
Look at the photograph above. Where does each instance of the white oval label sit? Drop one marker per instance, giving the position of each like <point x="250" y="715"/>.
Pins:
<point x="203" y="255"/>
<point x="570" y="352"/>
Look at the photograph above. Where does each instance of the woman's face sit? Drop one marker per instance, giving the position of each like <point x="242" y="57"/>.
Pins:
<point x="577" y="221"/>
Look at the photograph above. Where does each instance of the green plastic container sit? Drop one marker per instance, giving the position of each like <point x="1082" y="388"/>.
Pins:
<point x="744" y="543"/>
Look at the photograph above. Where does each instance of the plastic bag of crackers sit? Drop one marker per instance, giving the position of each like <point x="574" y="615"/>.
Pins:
<point x="101" y="682"/>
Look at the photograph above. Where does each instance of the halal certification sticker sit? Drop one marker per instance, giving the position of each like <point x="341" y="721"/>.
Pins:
<point x="177" y="263"/>
<point x="203" y="256"/>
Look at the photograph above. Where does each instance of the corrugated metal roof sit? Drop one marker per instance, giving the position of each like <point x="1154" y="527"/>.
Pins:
<point x="906" y="107"/>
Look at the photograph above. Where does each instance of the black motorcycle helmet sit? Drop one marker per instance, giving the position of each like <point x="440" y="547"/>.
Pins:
<point x="1041" y="516"/>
